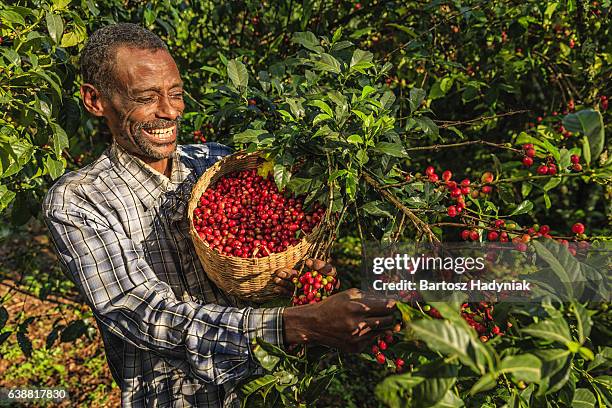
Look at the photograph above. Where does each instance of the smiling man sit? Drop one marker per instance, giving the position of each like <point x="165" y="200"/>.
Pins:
<point x="120" y="229"/>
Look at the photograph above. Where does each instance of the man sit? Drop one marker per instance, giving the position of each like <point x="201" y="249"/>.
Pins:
<point x="121" y="232"/>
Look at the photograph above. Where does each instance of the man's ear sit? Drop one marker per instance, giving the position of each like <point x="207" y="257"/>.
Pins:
<point x="92" y="99"/>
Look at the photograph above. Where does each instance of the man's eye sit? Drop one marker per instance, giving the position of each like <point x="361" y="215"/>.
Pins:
<point x="145" y="99"/>
<point x="177" y="95"/>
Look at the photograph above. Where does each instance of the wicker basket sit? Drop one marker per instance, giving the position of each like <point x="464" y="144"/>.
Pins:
<point x="245" y="278"/>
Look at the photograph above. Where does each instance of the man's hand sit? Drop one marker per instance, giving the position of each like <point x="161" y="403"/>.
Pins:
<point x="348" y="320"/>
<point x="284" y="277"/>
<point x="284" y="281"/>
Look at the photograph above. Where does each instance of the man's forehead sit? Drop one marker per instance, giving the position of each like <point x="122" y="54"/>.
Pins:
<point x="143" y="69"/>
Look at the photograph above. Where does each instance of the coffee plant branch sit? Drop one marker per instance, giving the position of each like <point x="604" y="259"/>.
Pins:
<point x="449" y="123"/>
<point x="420" y="225"/>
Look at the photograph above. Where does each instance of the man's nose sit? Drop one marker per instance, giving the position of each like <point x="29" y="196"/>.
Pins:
<point x="168" y="109"/>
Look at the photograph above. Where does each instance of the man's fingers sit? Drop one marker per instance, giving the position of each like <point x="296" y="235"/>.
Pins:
<point x="320" y="266"/>
<point x="286" y="273"/>
<point x="373" y="324"/>
<point x="283" y="291"/>
<point x="374" y="306"/>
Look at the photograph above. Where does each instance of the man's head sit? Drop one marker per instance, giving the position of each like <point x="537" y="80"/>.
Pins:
<point x="131" y="80"/>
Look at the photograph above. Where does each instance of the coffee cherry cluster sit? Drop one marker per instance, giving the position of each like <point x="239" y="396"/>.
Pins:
<point x="478" y="315"/>
<point x="200" y="135"/>
<point x="549" y="167"/>
<point x="499" y="231"/>
<point x="244" y="215"/>
<point x="313" y="286"/>
<point x="575" y="159"/>
<point x="458" y="191"/>
<point x="381" y="351"/>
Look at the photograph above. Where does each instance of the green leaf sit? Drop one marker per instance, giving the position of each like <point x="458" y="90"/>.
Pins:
<point x="320" y="118"/>
<point x="603" y="359"/>
<point x="10" y="16"/>
<point x="446" y="84"/>
<point x="24" y="343"/>
<point x="374" y="209"/>
<point x="583" y="398"/>
<point x="337" y="35"/>
<point x="391" y="149"/>
<point x="556" y="364"/>
<point x="3" y="317"/>
<point x="267" y="360"/>
<point x="550" y="9"/>
<point x="586" y="353"/>
<point x="387" y="99"/>
<point x="583" y="321"/>
<point x="6" y="197"/>
<point x="249" y="135"/>
<point x="405" y="29"/>
<point x="447" y="338"/>
<point x="54" y="85"/>
<point x="590" y="123"/>
<point x="354" y="139"/>
<point x="255" y="385"/>
<point x="450" y="400"/>
<point x="393" y="390"/>
<point x="526" y="367"/>
<point x="439" y="378"/>
<point x="281" y="176"/>
<point x="4" y="336"/>
<point x="555" y="329"/>
<point x="351" y="185"/>
<point x="361" y="60"/>
<point x="307" y="40"/>
<point x="417" y="95"/>
<point x="586" y="150"/>
<point x="60" y="139"/>
<point x="566" y="268"/>
<point x="55" y="26"/>
<point x="237" y="73"/>
<point x="72" y="38"/>
<point x="367" y="91"/>
<point x="323" y="106"/>
<point x="52" y="337"/>
<point x="484" y="383"/>
<point x="73" y="331"/>
<point x="427" y="125"/>
<point x="328" y="63"/>
<point x="552" y="183"/>
<point x="522" y="208"/>
<point x="55" y="168"/>
<point x="296" y="107"/>
<point x="11" y="56"/>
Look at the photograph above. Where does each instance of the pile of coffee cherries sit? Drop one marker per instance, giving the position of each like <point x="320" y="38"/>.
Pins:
<point x="244" y="215"/>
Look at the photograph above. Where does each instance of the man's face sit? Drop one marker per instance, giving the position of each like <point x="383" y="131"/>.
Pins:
<point x="146" y="105"/>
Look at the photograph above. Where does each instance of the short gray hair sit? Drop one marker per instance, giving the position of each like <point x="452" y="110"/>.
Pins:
<point x="98" y="57"/>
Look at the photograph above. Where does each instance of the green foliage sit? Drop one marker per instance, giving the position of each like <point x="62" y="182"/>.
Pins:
<point x="291" y="380"/>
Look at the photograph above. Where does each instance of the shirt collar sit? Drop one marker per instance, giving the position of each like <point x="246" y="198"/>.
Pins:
<point x="148" y="184"/>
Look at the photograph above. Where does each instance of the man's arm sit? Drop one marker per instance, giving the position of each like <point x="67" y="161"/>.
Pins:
<point x="129" y="299"/>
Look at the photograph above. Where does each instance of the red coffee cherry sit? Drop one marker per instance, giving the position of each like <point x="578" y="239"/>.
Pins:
<point x="578" y="228"/>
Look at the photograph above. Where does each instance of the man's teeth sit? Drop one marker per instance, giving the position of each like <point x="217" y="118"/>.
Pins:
<point x="161" y="131"/>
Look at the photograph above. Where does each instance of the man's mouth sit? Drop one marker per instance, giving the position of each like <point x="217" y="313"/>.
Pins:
<point x="161" y="135"/>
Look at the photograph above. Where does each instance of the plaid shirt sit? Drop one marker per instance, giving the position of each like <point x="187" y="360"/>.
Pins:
<point x="172" y="338"/>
